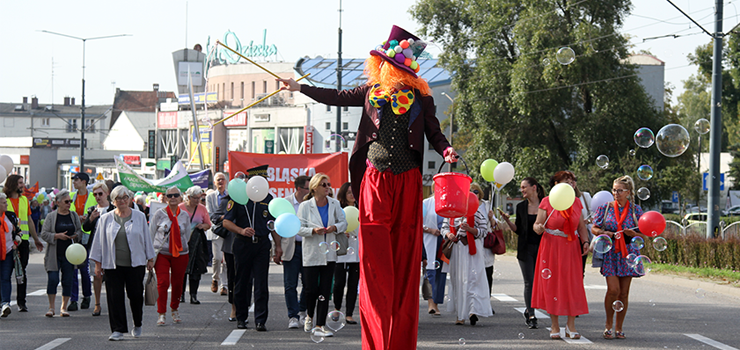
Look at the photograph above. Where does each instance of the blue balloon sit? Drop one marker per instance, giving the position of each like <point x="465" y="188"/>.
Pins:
<point x="238" y="191"/>
<point x="287" y="225"/>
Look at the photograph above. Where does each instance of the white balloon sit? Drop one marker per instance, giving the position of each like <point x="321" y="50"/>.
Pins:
<point x="503" y="173"/>
<point x="3" y="174"/>
<point x="257" y="188"/>
<point x="6" y="163"/>
<point x="599" y="199"/>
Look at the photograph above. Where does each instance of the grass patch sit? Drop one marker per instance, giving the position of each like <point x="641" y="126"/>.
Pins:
<point x="715" y="275"/>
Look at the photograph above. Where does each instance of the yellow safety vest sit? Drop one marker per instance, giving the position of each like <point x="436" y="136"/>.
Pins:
<point x="91" y="202"/>
<point x="22" y="215"/>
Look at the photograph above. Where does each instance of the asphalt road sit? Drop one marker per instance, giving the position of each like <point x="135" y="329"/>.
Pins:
<point x="664" y="313"/>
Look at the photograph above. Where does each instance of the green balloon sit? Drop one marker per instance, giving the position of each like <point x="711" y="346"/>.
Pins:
<point x="486" y="169"/>
<point x="280" y="206"/>
<point x="238" y="191"/>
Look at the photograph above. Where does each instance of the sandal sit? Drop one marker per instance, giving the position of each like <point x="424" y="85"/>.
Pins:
<point x="608" y="334"/>
<point x="555" y="336"/>
<point x="161" y="320"/>
<point x="50" y="313"/>
<point x="64" y="314"/>
<point x="460" y="322"/>
<point x="571" y="335"/>
<point x="619" y="335"/>
<point x="96" y="311"/>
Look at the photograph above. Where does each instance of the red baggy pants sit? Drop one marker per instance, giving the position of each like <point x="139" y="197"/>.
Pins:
<point x="390" y="258"/>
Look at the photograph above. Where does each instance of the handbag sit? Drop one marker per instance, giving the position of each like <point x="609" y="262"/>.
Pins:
<point x="343" y="241"/>
<point x="150" y="290"/>
<point x="495" y="242"/>
<point x="447" y="248"/>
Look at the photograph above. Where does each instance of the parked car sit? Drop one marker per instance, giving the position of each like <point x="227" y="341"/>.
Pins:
<point x="733" y="211"/>
<point x="668" y="207"/>
<point x="696" y="209"/>
<point x="692" y="218"/>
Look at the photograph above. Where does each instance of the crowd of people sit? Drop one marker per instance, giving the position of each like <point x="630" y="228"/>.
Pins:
<point x="123" y="242"/>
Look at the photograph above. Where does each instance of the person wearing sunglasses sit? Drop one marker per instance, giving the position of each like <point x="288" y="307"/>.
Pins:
<point x="618" y="220"/>
<point x="100" y="192"/>
<point x="60" y="230"/>
<point x="197" y="245"/>
<point x="122" y="249"/>
<point x="321" y="218"/>
<point x="170" y="230"/>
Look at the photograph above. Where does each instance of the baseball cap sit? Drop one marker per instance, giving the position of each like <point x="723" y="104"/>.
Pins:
<point x="81" y="176"/>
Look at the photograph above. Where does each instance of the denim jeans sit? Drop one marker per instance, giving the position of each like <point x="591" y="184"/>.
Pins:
<point x="67" y="271"/>
<point x="84" y="279"/>
<point x="291" y="269"/>
<point x="437" y="279"/>
<point x="6" y="272"/>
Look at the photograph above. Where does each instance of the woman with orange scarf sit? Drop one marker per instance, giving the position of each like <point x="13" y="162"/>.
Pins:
<point x="618" y="220"/>
<point x="170" y="229"/>
<point x="558" y="279"/>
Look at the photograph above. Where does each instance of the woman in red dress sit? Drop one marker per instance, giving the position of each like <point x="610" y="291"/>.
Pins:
<point x="558" y="282"/>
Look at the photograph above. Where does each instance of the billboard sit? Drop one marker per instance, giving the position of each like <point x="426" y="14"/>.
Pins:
<point x="196" y="73"/>
<point x="206" y="146"/>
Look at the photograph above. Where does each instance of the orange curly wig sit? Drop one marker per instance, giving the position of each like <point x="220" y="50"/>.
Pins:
<point x="389" y="76"/>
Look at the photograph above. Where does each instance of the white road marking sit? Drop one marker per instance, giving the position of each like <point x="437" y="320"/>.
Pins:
<point x="503" y="297"/>
<point x="233" y="338"/>
<point x="37" y="293"/>
<point x="537" y="313"/>
<point x="53" y="344"/>
<point x="583" y="339"/>
<point x="710" y="342"/>
<point x="595" y="286"/>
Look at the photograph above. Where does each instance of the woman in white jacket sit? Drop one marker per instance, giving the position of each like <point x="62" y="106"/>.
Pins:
<point x="468" y="293"/>
<point x="321" y="218"/>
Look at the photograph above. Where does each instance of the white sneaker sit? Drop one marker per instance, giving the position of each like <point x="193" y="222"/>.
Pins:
<point x="308" y="325"/>
<point x="322" y="332"/>
<point x="293" y="323"/>
<point x="302" y="318"/>
<point x="161" y="321"/>
<point x="5" y="311"/>
<point x="136" y="332"/>
<point x="116" y="336"/>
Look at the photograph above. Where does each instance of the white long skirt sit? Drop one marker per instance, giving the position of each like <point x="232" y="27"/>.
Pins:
<point x="468" y="291"/>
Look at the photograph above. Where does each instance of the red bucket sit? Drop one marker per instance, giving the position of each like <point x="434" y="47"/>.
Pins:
<point x="451" y="193"/>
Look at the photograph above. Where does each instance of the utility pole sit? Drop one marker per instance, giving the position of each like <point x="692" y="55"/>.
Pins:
<point x="339" y="82"/>
<point x="715" y="136"/>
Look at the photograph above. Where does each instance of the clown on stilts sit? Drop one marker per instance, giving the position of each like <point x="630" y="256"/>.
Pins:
<point x="385" y="168"/>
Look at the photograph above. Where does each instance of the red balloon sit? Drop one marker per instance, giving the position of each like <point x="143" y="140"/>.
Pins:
<point x="651" y="223"/>
<point x="472" y="204"/>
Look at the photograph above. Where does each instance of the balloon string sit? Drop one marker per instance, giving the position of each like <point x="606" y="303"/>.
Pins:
<point x="548" y="218"/>
<point x="631" y="228"/>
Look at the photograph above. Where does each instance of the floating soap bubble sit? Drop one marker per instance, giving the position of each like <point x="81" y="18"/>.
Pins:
<point x="555" y="298"/>
<point x="602" y="161"/>
<point x="602" y="244"/>
<point x="631" y="260"/>
<point x="335" y="320"/>
<point x="546" y="61"/>
<point x="645" y="172"/>
<point x="321" y="298"/>
<point x="437" y="265"/>
<point x="331" y="141"/>
<point x="643" y="193"/>
<point x="672" y="140"/>
<point x="461" y="341"/>
<point x="324" y="247"/>
<point x="618" y="306"/>
<point x="350" y="251"/>
<point x="271" y="225"/>
<point x="565" y="55"/>
<point x="660" y="244"/>
<point x="643" y="265"/>
<point x="701" y="126"/>
<point x="617" y="235"/>
<point x="633" y="152"/>
<point x="651" y="302"/>
<point x="700" y="293"/>
<point x="521" y="335"/>
<point x="334" y="245"/>
<point x="352" y="239"/>
<point x="644" y="137"/>
<point x="546" y="274"/>
<point x="316" y="338"/>
<point x="637" y="242"/>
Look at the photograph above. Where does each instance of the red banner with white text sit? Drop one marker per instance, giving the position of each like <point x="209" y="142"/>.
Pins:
<point x="284" y="168"/>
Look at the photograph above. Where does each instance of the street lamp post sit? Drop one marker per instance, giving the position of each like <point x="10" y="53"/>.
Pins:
<point x="82" y="107"/>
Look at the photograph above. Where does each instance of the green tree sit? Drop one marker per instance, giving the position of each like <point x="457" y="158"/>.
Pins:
<point x="519" y="104"/>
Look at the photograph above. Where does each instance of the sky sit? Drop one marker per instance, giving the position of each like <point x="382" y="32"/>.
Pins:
<point x="50" y="66"/>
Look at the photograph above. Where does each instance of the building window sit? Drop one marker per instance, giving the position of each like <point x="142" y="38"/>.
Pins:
<point x="72" y="125"/>
<point x="253" y="90"/>
<point x="232" y="91"/>
<point x="328" y="125"/>
<point x="89" y="125"/>
<point x="277" y="85"/>
<point x="223" y="90"/>
<point x="345" y="108"/>
<point x="327" y="144"/>
<point x="242" y="91"/>
<point x="432" y="165"/>
<point x="430" y="147"/>
<point x="45" y="121"/>
<point x="328" y="108"/>
<point x="345" y="125"/>
<point x="264" y="86"/>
